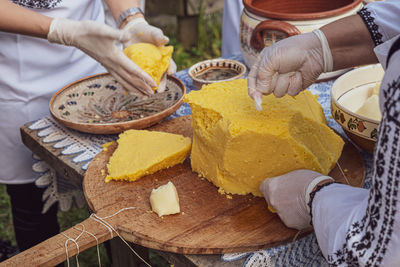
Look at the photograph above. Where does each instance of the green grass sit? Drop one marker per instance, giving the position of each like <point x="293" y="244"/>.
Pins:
<point x="6" y="227"/>
<point x="208" y="46"/>
<point x="208" y="42"/>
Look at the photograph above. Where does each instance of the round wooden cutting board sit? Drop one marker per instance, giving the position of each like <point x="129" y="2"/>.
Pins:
<point x="210" y="223"/>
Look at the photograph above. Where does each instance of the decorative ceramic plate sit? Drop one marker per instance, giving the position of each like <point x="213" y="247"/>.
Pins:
<point x="348" y="94"/>
<point x="98" y="104"/>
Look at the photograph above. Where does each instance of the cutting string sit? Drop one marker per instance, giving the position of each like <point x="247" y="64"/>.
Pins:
<point x="110" y="228"/>
<point x="66" y="248"/>
<point x="97" y="241"/>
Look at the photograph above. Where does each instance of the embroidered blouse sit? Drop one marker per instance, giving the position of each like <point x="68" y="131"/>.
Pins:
<point x="356" y="226"/>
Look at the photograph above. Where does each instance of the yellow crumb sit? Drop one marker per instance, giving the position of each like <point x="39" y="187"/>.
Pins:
<point x="271" y="209"/>
<point x="105" y="145"/>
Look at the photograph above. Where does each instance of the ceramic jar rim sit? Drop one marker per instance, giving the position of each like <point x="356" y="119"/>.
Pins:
<point x="248" y="4"/>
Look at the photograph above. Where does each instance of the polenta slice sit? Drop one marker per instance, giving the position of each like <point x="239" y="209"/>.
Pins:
<point x="154" y="60"/>
<point x="142" y="152"/>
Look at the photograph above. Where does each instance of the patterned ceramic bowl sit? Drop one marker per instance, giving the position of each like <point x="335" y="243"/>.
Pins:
<point x="98" y="104"/>
<point x="348" y="93"/>
<point x="216" y="70"/>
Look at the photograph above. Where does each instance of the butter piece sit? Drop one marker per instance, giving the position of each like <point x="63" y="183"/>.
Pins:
<point x="236" y="147"/>
<point x="142" y="152"/>
<point x="154" y="60"/>
<point x="164" y="200"/>
<point x="370" y="108"/>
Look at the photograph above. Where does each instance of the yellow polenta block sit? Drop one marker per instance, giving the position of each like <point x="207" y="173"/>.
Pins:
<point x="236" y="147"/>
<point x="142" y="152"/>
<point x="154" y="60"/>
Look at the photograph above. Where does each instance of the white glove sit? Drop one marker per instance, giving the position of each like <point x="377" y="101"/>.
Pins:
<point x="99" y="41"/>
<point x="139" y="31"/>
<point x="289" y="66"/>
<point x="289" y="195"/>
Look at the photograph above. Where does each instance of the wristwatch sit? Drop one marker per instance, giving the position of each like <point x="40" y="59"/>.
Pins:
<point x="127" y="13"/>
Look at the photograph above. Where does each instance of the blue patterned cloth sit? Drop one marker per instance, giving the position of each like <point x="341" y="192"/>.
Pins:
<point x="303" y="252"/>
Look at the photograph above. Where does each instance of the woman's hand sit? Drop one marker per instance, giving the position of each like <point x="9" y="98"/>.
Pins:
<point x="288" y="195"/>
<point x="287" y="67"/>
<point x="139" y="31"/>
<point x="99" y="41"/>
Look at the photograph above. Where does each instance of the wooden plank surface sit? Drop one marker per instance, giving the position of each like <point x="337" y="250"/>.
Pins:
<point x="210" y="223"/>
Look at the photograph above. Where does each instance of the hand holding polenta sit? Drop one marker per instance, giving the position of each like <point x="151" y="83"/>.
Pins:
<point x="139" y="31"/>
<point x="155" y="61"/>
<point x="98" y="41"/>
<point x="145" y="46"/>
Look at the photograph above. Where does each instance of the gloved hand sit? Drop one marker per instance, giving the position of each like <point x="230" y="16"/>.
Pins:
<point x="289" y="66"/>
<point x="98" y="41"/>
<point x="289" y="195"/>
<point x="139" y="31"/>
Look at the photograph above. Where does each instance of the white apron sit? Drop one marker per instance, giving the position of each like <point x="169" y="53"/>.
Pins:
<point x="31" y="71"/>
<point x="230" y="27"/>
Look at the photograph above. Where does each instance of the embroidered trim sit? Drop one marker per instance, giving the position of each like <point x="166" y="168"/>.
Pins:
<point x="40" y="4"/>
<point x="367" y="240"/>
<point x="373" y="28"/>
<point x="312" y="195"/>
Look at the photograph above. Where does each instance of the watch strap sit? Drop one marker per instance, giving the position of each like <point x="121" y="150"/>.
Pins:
<point x="127" y="13"/>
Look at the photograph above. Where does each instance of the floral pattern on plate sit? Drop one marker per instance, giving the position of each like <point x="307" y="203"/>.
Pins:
<point x="100" y="100"/>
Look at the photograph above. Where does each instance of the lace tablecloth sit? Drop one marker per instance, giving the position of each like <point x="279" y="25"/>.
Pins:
<point x="85" y="147"/>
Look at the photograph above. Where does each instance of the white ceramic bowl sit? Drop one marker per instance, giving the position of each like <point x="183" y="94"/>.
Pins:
<point x="348" y="93"/>
<point x="216" y="70"/>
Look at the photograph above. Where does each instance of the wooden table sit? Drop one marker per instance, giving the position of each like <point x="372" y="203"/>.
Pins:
<point x="64" y="166"/>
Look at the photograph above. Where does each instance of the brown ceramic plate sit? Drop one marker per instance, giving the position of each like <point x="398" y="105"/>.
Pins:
<point x="98" y="104"/>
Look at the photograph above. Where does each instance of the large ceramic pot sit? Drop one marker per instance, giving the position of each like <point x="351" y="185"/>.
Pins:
<point x="264" y="22"/>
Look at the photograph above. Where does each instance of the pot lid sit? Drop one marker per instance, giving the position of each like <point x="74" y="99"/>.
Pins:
<point x="299" y="10"/>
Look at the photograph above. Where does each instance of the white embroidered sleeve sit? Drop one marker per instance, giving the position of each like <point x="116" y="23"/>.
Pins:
<point x="382" y="20"/>
<point x="359" y="227"/>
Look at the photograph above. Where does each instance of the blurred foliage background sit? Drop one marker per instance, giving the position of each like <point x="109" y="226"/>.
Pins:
<point x="207" y="45"/>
